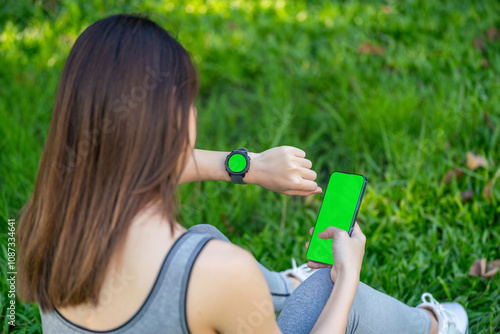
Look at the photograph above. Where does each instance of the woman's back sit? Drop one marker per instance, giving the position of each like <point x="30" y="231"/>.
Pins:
<point x="164" y="283"/>
<point x="140" y="281"/>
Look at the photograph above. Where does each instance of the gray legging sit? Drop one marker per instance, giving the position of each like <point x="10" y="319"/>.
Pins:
<point x="371" y="311"/>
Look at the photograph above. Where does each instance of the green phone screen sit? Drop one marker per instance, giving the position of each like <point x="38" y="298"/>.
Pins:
<point x="339" y="208"/>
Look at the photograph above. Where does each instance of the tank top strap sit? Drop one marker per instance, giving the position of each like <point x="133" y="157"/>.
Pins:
<point x="174" y="275"/>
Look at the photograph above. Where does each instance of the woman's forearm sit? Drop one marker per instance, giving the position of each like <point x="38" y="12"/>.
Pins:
<point x="206" y="165"/>
<point x="281" y="169"/>
<point x="333" y="318"/>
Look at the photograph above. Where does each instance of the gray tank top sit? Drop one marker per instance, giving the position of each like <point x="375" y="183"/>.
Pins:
<point x="164" y="310"/>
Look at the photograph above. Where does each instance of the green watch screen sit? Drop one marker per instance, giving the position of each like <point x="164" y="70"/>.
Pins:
<point x="339" y="209"/>
<point x="237" y="163"/>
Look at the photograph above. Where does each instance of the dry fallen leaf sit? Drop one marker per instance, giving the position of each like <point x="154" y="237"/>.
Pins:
<point x="487" y="190"/>
<point x="488" y="121"/>
<point x="491" y="268"/>
<point x="482" y="269"/>
<point x="467" y="195"/>
<point x="230" y="227"/>
<point x="387" y="9"/>
<point x="369" y="48"/>
<point x="479" y="44"/>
<point x="478" y="268"/>
<point x="492" y="33"/>
<point x="451" y="174"/>
<point x="476" y="161"/>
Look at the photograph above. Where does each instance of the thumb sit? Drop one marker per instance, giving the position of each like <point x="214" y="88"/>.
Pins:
<point x="330" y="232"/>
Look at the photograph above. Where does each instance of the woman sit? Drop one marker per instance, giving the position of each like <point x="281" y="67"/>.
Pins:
<point x="99" y="248"/>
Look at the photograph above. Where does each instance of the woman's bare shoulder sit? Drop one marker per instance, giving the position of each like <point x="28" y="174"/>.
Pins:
<point x="226" y="284"/>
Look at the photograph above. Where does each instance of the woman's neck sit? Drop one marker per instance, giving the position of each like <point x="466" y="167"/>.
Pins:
<point x="152" y="213"/>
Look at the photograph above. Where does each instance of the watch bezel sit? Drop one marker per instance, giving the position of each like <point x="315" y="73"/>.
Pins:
<point x="242" y="152"/>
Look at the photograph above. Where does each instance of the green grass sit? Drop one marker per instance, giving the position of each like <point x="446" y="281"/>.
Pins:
<point x="277" y="73"/>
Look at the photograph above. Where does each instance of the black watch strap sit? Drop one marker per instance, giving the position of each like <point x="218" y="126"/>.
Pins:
<point x="238" y="179"/>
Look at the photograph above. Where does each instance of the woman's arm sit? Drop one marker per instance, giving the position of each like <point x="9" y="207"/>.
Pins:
<point x="281" y="169"/>
<point x="333" y="318"/>
<point x="228" y="294"/>
<point x="348" y="255"/>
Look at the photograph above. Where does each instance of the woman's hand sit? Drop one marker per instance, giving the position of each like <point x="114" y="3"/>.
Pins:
<point x="284" y="170"/>
<point x="347" y="251"/>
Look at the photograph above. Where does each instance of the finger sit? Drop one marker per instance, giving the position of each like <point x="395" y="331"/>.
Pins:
<point x="298" y="193"/>
<point x="302" y="192"/>
<point x="311" y="231"/>
<point x="307" y="245"/>
<point x="297" y="152"/>
<point x="306" y="163"/>
<point x="334" y="274"/>
<point x="317" y="265"/>
<point x="308" y="174"/>
<point x="306" y="185"/>
<point x="330" y="232"/>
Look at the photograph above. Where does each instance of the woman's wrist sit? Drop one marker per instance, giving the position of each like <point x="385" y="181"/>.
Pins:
<point x="252" y="176"/>
<point x="347" y="276"/>
<point x="333" y="318"/>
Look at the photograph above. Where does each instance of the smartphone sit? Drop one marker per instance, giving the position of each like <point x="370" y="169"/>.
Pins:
<point x="339" y="208"/>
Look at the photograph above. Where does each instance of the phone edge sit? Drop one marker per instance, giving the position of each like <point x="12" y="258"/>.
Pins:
<point x="360" y="199"/>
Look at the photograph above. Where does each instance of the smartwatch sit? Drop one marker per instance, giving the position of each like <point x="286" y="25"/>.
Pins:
<point x="237" y="164"/>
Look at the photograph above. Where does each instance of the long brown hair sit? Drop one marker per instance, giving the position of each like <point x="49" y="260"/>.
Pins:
<point x="117" y="142"/>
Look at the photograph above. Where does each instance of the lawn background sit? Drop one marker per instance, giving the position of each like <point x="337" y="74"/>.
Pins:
<point x="399" y="91"/>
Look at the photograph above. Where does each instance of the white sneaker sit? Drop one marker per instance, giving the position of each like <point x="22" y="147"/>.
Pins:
<point x="301" y="272"/>
<point x="452" y="318"/>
